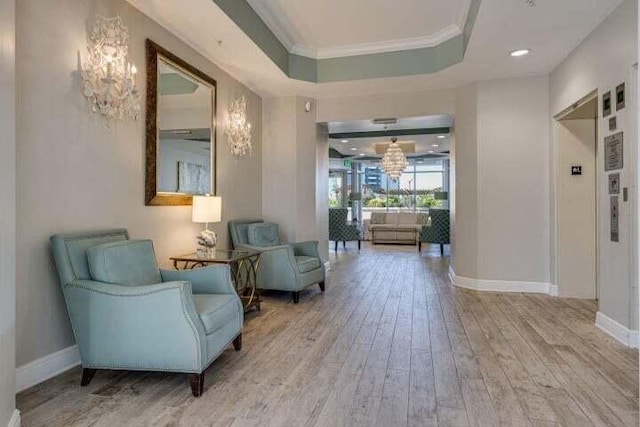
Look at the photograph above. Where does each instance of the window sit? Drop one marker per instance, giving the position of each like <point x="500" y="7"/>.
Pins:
<point x="415" y="191"/>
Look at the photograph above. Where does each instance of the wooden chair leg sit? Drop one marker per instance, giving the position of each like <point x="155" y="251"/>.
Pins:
<point x="296" y="297"/>
<point x="419" y="246"/>
<point x="197" y="384"/>
<point x="441" y="249"/>
<point x="359" y="244"/>
<point x="336" y="247"/>
<point x="237" y="343"/>
<point x="321" y="284"/>
<point x="344" y="244"/>
<point x="87" y="376"/>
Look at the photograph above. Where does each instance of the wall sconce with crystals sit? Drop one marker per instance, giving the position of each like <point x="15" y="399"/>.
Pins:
<point x="238" y="129"/>
<point x="109" y="79"/>
<point x="394" y="161"/>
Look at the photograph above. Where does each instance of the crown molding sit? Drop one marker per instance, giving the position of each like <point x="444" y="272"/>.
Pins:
<point x="432" y="40"/>
<point x="272" y="22"/>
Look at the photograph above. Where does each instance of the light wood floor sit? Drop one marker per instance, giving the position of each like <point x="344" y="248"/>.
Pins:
<point x="391" y="343"/>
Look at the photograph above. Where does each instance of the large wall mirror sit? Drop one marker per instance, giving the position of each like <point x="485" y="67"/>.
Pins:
<point x="181" y="134"/>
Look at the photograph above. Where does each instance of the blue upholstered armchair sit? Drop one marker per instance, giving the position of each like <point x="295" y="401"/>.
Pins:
<point x="128" y="314"/>
<point x="340" y="230"/>
<point x="283" y="267"/>
<point x="437" y="231"/>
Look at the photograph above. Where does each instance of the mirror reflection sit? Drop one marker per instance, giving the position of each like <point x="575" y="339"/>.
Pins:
<point x="185" y="148"/>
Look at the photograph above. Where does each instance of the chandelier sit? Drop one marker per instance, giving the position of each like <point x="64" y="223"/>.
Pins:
<point x="394" y="161"/>
<point x="238" y="129"/>
<point x="109" y="79"/>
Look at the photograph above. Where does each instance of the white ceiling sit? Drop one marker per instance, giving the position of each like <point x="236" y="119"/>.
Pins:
<point x="552" y="29"/>
<point x="333" y="28"/>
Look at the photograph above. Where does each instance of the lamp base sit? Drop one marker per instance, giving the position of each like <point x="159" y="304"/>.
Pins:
<point x="206" y="253"/>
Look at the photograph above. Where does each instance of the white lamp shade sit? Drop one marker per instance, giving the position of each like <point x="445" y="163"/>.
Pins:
<point x="206" y="209"/>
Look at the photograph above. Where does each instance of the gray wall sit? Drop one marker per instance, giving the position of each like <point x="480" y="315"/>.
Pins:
<point x="601" y="62"/>
<point x="75" y="173"/>
<point x="7" y="211"/>
<point x="464" y="156"/>
<point x="293" y="170"/>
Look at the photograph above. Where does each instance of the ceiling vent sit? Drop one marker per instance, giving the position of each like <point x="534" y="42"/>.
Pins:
<point x="385" y="121"/>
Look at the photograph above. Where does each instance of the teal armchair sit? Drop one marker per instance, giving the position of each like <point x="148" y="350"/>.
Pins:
<point x="128" y="314"/>
<point x="437" y="231"/>
<point x="340" y="230"/>
<point x="283" y="267"/>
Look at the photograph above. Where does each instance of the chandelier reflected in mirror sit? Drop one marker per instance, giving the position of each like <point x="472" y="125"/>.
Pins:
<point x="109" y="79"/>
<point x="394" y="161"/>
<point x="238" y="129"/>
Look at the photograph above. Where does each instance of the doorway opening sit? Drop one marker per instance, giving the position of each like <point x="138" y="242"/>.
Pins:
<point x="576" y="134"/>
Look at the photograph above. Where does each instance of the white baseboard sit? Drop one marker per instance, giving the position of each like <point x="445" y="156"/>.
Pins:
<point x="327" y="266"/>
<point x="553" y="290"/>
<point x="46" y="367"/>
<point x="15" y="419"/>
<point x="499" y="285"/>
<point x="618" y="331"/>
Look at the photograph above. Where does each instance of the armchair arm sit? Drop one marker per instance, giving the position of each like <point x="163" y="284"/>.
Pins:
<point x="215" y="279"/>
<point x="153" y="327"/>
<point x="309" y="248"/>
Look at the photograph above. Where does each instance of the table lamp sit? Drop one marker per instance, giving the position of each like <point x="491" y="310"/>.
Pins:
<point x="206" y="209"/>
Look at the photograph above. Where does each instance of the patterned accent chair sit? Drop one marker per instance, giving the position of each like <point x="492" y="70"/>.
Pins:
<point x="340" y="230"/>
<point x="283" y="267"/>
<point x="128" y="314"/>
<point x="438" y="231"/>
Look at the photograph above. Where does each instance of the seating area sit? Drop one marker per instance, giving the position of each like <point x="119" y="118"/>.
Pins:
<point x="396" y="227"/>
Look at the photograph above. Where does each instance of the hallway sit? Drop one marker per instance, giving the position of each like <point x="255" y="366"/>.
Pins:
<point x="391" y="343"/>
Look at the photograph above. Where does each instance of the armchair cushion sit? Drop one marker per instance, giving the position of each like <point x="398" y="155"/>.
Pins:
<point x="215" y="310"/>
<point x="307" y="263"/>
<point x="263" y="235"/>
<point x="128" y="262"/>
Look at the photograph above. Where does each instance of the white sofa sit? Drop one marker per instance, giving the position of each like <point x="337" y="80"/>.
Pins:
<point x="395" y="227"/>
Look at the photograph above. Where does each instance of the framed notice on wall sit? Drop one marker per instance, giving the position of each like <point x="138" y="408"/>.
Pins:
<point x="613" y="153"/>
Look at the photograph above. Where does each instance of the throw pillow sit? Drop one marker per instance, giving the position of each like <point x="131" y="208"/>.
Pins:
<point x="263" y="234"/>
<point x="127" y="263"/>
<point x="378" y="218"/>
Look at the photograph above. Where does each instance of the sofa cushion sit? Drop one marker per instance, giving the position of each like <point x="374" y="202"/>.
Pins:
<point x="407" y="218"/>
<point x="392" y="218"/>
<point x="384" y="226"/>
<point x="128" y="262"/>
<point x="307" y="263"/>
<point x="378" y="218"/>
<point x="263" y="235"/>
<point x="215" y="310"/>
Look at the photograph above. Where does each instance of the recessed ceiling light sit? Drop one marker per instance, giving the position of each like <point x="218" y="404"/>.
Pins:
<point x="344" y="141"/>
<point x="361" y="154"/>
<point x="354" y="149"/>
<point x="434" y="145"/>
<point x="520" y="52"/>
<point x="430" y="151"/>
<point x="441" y="137"/>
